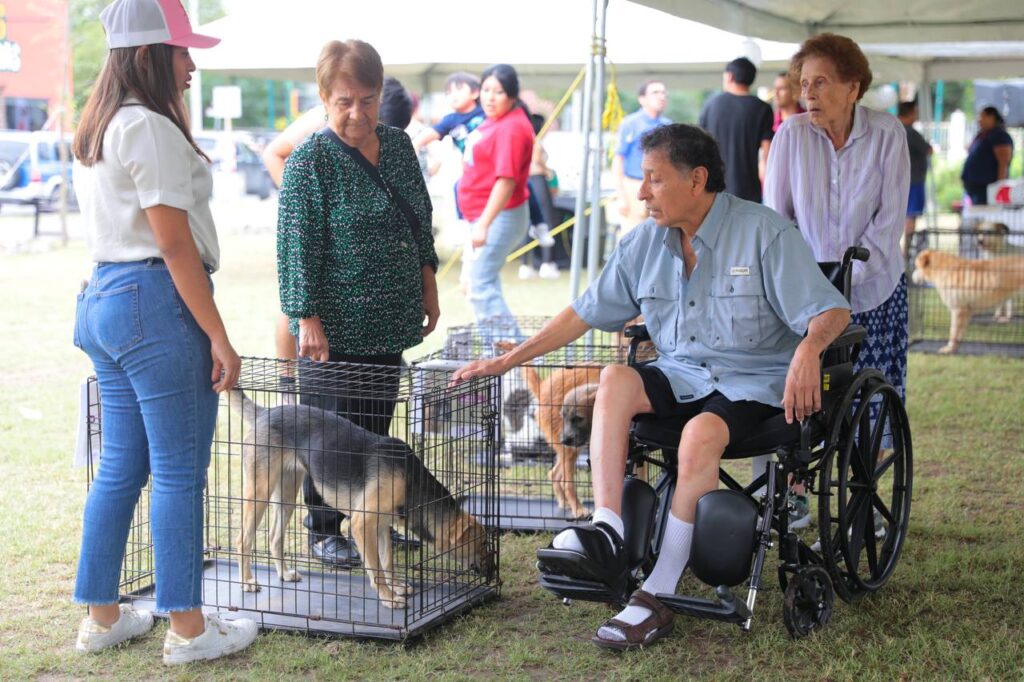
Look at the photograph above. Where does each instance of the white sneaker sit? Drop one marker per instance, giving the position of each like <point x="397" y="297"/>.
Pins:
<point x="221" y="637"/>
<point x="542" y="233"/>
<point x="549" y="270"/>
<point x="94" y="637"/>
<point x="526" y="272"/>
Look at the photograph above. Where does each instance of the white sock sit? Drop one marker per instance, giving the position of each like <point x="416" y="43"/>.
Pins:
<point x="675" y="551"/>
<point x="568" y="539"/>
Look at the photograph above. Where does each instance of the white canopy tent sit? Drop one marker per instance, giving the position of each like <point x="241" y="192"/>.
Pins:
<point x="421" y="43"/>
<point x="547" y="40"/>
<point x="867" y="21"/>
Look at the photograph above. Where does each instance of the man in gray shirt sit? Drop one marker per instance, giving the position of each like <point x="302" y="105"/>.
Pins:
<point x="739" y="313"/>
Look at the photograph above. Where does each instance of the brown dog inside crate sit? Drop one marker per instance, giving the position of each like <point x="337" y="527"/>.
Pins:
<point x="564" y="411"/>
<point x="375" y="480"/>
<point x="968" y="286"/>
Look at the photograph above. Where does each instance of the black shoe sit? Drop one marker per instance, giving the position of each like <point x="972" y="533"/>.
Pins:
<point x="399" y="539"/>
<point x="334" y="550"/>
<point x="600" y="560"/>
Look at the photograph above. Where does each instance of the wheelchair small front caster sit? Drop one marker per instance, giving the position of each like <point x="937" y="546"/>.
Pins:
<point x="807" y="603"/>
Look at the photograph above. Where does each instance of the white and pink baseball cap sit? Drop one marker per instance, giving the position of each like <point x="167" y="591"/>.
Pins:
<point x="130" y="23"/>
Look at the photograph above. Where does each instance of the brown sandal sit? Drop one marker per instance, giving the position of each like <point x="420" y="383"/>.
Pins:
<point x="644" y="633"/>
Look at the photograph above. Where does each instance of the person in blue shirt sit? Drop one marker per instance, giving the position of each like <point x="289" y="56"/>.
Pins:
<point x="739" y="313"/>
<point x="653" y="98"/>
<point x="988" y="157"/>
<point x="463" y="92"/>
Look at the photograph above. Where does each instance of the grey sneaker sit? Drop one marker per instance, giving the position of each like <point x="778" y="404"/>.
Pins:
<point x="93" y="637"/>
<point x="799" y="512"/>
<point x="221" y="637"/>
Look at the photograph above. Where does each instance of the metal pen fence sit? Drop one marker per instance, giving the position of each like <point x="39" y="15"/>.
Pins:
<point x="546" y="411"/>
<point x="437" y="485"/>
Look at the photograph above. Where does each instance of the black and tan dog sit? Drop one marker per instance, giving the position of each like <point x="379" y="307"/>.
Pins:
<point x="375" y="480"/>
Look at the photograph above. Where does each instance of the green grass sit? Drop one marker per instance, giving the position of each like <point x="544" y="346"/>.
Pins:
<point x="951" y="610"/>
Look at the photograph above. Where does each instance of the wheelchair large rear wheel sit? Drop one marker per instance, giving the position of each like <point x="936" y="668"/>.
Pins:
<point x="865" y="487"/>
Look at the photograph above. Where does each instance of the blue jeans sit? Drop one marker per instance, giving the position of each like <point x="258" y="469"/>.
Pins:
<point x="506" y="233"/>
<point x="153" y="365"/>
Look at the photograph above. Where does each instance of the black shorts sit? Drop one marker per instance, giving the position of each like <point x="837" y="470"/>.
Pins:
<point x="741" y="416"/>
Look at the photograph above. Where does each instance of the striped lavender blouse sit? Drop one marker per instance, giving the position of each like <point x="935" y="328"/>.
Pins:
<point x="854" y="196"/>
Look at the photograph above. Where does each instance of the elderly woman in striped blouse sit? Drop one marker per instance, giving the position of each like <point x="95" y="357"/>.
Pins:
<point x="841" y="172"/>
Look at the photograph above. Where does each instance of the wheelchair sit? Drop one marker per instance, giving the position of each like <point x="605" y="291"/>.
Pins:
<point x="854" y="455"/>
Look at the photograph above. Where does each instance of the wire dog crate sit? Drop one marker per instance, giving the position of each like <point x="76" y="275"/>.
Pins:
<point x="437" y="485"/>
<point x="966" y="290"/>
<point x="546" y="407"/>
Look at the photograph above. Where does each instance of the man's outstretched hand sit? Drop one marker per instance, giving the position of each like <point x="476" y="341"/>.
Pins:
<point x="478" y="368"/>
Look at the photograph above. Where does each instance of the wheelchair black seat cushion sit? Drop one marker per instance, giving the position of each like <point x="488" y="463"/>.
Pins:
<point x="664" y="432"/>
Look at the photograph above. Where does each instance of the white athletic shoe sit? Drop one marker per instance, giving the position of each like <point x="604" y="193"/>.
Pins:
<point x="527" y="272"/>
<point x="542" y="233"/>
<point x="221" y="637"/>
<point x="549" y="270"/>
<point x="94" y="637"/>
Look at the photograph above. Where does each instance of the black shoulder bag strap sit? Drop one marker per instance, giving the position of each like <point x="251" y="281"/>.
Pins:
<point x="375" y="175"/>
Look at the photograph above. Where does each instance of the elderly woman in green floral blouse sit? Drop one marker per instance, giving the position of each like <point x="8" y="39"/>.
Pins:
<point x="356" y="260"/>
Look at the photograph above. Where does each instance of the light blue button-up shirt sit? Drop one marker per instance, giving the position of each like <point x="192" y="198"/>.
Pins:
<point x="734" y="324"/>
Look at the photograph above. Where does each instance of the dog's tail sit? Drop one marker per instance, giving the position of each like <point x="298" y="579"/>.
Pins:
<point x="240" y="404"/>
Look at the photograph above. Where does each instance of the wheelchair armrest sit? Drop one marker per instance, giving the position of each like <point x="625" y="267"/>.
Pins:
<point x="853" y="334"/>
<point x="637" y="334"/>
<point x="637" y="331"/>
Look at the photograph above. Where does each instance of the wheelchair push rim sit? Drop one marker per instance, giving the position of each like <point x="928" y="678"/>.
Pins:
<point x="868" y="475"/>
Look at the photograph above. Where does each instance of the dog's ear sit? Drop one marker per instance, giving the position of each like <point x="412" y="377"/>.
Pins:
<point x="1001" y="228"/>
<point x="924" y="259"/>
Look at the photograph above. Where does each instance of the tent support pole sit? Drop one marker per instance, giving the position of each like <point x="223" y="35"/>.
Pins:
<point x="578" y="228"/>
<point x="597" y="154"/>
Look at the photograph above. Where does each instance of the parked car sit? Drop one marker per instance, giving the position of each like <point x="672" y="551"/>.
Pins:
<point x="30" y="169"/>
<point x="236" y="152"/>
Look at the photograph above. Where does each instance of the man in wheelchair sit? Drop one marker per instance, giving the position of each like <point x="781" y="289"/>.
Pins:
<point x="739" y="312"/>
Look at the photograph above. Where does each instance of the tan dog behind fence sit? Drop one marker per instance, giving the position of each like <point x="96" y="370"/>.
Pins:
<point x="968" y="286"/>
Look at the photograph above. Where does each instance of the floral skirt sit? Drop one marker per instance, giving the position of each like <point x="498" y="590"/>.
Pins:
<point x="885" y="347"/>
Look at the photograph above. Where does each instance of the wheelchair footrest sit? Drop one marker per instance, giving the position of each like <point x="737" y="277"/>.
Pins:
<point x="583" y="590"/>
<point x="726" y="608"/>
<point x="567" y="563"/>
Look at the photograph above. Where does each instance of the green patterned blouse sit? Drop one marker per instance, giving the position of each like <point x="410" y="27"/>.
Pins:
<point x="344" y="249"/>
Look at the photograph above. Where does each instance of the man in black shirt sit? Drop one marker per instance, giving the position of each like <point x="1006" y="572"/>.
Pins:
<point x="919" y="150"/>
<point x="742" y="125"/>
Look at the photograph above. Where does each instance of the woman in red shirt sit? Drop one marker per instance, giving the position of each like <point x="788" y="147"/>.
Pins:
<point x="493" y="190"/>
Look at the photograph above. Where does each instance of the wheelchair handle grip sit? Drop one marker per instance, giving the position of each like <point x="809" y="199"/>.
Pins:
<point x="637" y="331"/>
<point x="856" y="253"/>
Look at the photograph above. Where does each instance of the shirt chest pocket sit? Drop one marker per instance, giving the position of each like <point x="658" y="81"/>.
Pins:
<point x="659" y="304"/>
<point x="738" y="310"/>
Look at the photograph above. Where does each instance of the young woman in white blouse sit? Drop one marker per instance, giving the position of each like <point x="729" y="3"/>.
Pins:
<point x="149" y="324"/>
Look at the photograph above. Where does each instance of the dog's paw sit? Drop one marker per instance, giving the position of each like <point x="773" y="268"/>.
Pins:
<point x="948" y="349"/>
<point x="1002" y="318"/>
<point x="250" y="585"/>
<point x="290" y="576"/>
<point x="393" y="601"/>
<point x="580" y="514"/>
<point x="401" y="589"/>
